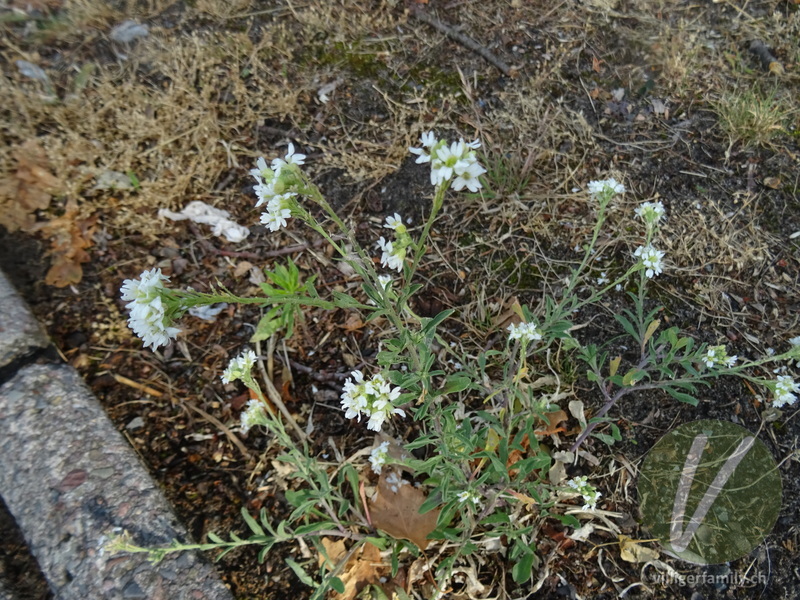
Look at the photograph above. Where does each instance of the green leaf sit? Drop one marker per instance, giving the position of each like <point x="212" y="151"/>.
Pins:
<point x="455" y="383"/>
<point x="521" y="571"/>
<point x="268" y="325"/>
<point x="215" y="538"/>
<point x="633" y="376"/>
<point x="567" y="520"/>
<point x="251" y="522"/>
<point x="134" y="180"/>
<point x="343" y="300"/>
<point x="627" y="326"/>
<point x="498" y="517"/>
<point x="401" y="594"/>
<point x="301" y="574"/>
<point x="605" y="438"/>
<point x="681" y="396"/>
<point x="337" y="584"/>
<point x="262" y="555"/>
<point x="431" y="324"/>
<point x="312" y="527"/>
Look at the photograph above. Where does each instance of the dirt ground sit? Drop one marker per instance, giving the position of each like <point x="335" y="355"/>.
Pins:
<point x="693" y="104"/>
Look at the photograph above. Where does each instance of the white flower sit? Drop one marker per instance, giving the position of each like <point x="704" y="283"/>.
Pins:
<point x="262" y="171"/>
<point x="587" y="490"/>
<point x="468" y="177"/>
<point x="253" y="415"/>
<point x="239" y="367"/>
<point x="528" y="332"/>
<point x="428" y="140"/>
<point x="795" y="341"/>
<point x="395" y="222"/>
<point x="785" y="389"/>
<point x="374" y="399"/>
<point x="473" y="497"/>
<point x="290" y="159"/>
<point x="379" y="456"/>
<point x="446" y="160"/>
<point x="391" y="258"/>
<point x="606" y="186"/>
<point x="718" y="355"/>
<point x="148" y="318"/>
<point x="458" y="159"/>
<point x="278" y="211"/>
<point x="603" y="279"/>
<point x="651" y="259"/>
<point x="650" y="212"/>
<point x="385" y="281"/>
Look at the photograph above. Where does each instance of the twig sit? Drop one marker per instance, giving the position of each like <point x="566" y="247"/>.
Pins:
<point x="321" y="376"/>
<point x="464" y="40"/>
<point x="209" y="247"/>
<point x="276" y="399"/>
<point x="216" y="422"/>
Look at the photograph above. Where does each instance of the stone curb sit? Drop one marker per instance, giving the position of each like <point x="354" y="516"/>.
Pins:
<point x="20" y="333"/>
<point x="72" y="482"/>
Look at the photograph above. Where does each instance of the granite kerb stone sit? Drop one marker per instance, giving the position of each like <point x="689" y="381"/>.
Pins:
<point x="20" y="332"/>
<point x="73" y="482"/>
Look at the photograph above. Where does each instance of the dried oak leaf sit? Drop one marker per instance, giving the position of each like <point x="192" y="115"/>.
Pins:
<point x="395" y="509"/>
<point x="69" y="238"/>
<point x="553" y="419"/>
<point x="632" y="552"/>
<point x="365" y="566"/>
<point x="27" y="189"/>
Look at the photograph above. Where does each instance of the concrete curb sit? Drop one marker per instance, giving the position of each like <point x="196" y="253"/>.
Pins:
<point x="71" y="481"/>
<point x="20" y="333"/>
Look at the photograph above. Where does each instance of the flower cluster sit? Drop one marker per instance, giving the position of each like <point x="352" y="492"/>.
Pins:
<point x="456" y="162"/>
<point x="240" y="367"/>
<point x="605" y="188"/>
<point x="718" y="355"/>
<point x="273" y="187"/>
<point x="527" y="332"/>
<point x="148" y="313"/>
<point x="785" y="390"/>
<point x="392" y="257"/>
<point x="379" y="456"/>
<point x="650" y="258"/>
<point x="587" y="490"/>
<point x="650" y="212"/>
<point x="394" y="253"/>
<point x="373" y="398"/>
<point x="253" y="415"/>
<point x="473" y="497"/>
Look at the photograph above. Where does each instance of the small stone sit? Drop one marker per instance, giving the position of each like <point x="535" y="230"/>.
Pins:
<point x="132" y="591"/>
<point x="103" y="473"/>
<point x="134" y="424"/>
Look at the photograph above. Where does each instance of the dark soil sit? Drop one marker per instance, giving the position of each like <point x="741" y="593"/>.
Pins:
<point x="207" y="478"/>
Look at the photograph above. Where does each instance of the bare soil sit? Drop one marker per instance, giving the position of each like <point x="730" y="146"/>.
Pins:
<point x="605" y="88"/>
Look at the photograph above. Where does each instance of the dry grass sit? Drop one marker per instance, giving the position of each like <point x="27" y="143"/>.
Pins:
<point x="194" y="104"/>
<point x="752" y="117"/>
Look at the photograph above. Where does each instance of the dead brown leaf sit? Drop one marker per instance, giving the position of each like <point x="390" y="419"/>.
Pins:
<point x="69" y="238"/>
<point x="395" y="509"/>
<point x="363" y="568"/>
<point x="553" y="419"/>
<point x="352" y="323"/>
<point x="631" y="551"/>
<point x="28" y="189"/>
